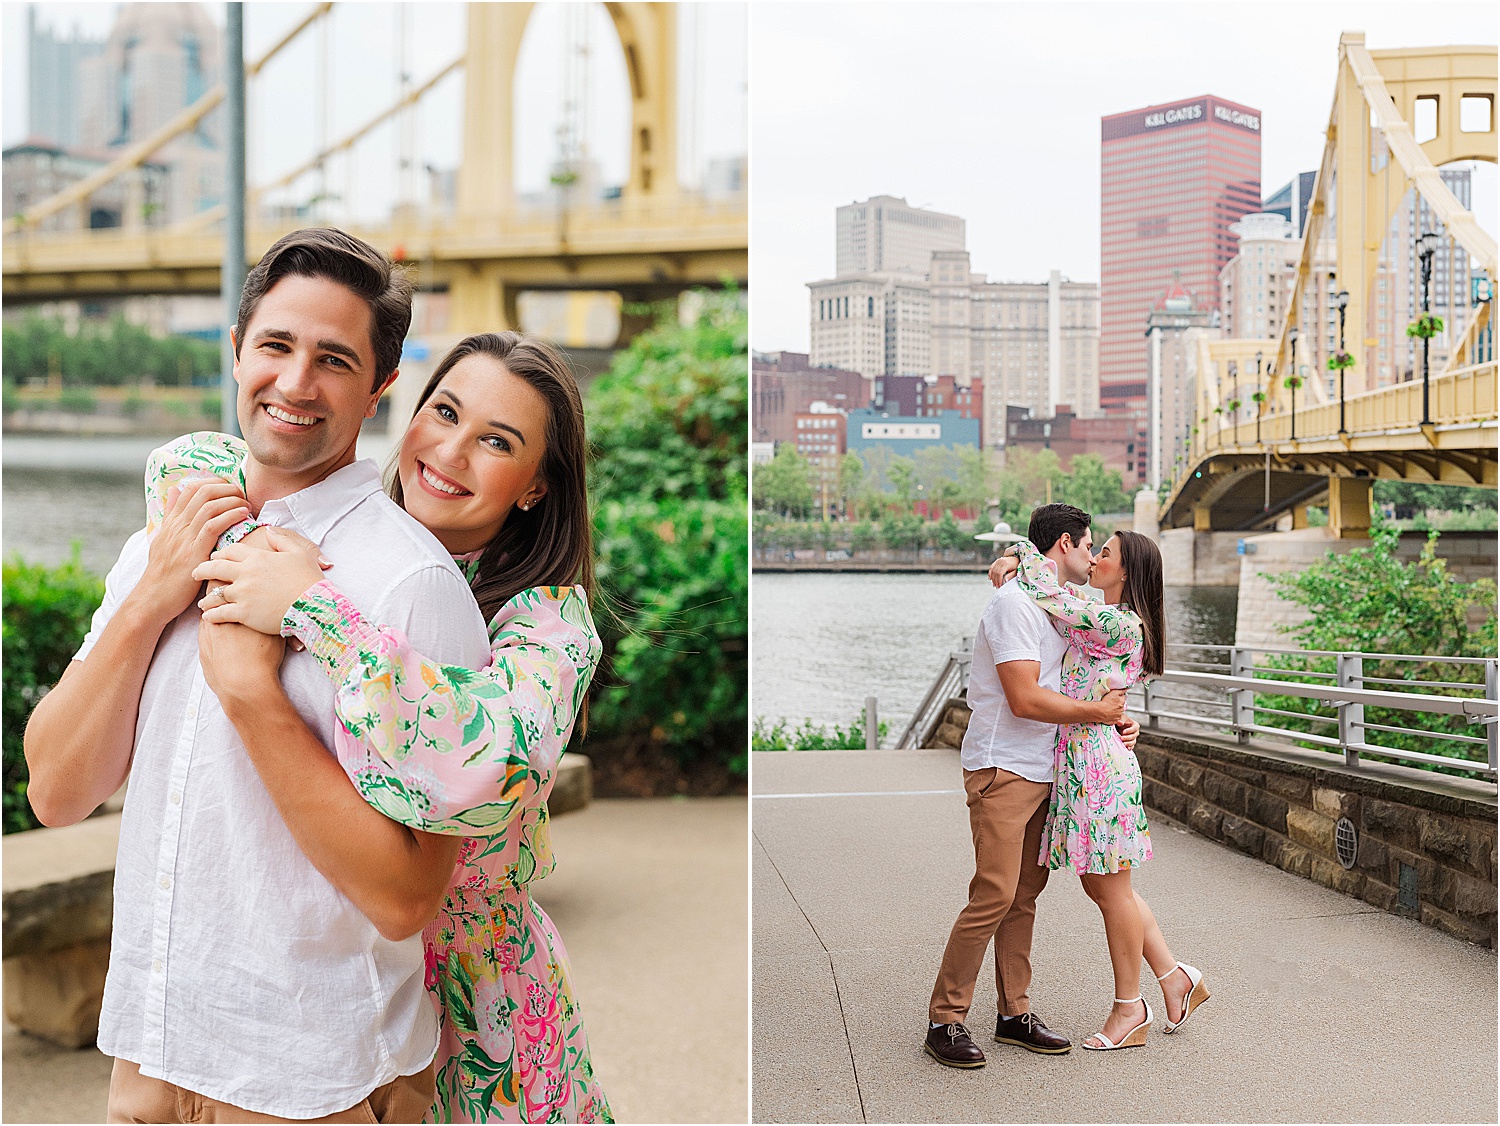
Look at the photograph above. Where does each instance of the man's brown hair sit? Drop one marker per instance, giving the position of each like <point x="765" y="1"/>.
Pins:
<point x="327" y="252"/>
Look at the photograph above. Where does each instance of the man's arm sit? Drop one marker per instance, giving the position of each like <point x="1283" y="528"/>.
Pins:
<point x="80" y="738"/>
<point x="396" y="876"/>
<point x="1029" y="700"/>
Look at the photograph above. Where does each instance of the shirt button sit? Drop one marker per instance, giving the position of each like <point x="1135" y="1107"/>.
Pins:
<point x="165" y="882"/>
<point x="176" y="798"/>
<point x="192" y="712"/>
<point x="156" y="966"/>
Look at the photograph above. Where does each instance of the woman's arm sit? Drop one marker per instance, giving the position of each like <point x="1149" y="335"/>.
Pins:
<point x="395" y="875"/>
<point x="1092" y="627"/>
<point x="440" y="748"/>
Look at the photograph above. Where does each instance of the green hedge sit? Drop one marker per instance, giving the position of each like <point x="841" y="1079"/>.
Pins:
<point x="47" y="612"/>
<point x="669" y="427"/>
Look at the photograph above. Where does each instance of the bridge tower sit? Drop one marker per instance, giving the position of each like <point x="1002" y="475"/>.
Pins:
<point x="486" y="181"/>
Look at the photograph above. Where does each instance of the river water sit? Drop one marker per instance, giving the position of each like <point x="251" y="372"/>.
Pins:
<point x="821" y="643"/>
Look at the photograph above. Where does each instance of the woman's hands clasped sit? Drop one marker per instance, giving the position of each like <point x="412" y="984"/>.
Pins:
<point x="261" y="577"/>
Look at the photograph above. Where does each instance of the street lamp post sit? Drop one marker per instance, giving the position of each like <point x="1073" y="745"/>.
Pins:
<point x="1426" y="247"/>
<point x="1292" y="386"/>
<point x="1343" y="303"/>
<point x="1258" y="398"/>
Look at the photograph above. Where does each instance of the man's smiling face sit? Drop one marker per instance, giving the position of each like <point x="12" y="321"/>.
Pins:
<point x="306" y="370"/>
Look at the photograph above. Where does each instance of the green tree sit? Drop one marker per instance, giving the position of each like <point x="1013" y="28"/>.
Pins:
<point x="784" y="484"/>
<point x="903" y="477"/>
<point x="903" y="531"/>
<point x="1093" y="487"/>
<point x="950" y="537"/>
<point x="851" y="483"/>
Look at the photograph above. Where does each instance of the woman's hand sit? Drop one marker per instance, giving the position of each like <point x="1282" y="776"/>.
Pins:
<point x="262" y="576"/>
<point x="196" y="514"/>
<point x="240" y="665"/>
<point x="1002" y="570"/>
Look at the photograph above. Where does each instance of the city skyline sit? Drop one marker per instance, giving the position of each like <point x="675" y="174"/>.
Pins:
<point x="829" y="128"/>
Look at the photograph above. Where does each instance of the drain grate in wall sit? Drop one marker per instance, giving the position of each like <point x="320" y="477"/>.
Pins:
<point x="1346" y="842"/>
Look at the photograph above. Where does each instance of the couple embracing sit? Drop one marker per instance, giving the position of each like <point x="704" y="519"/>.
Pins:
<point x="339" y="756"/>
<point x="1052" y="781"/>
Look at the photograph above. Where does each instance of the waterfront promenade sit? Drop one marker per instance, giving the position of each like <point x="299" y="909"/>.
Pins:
<point x="1323" y="1008"/>
<point x="649" y="896"/>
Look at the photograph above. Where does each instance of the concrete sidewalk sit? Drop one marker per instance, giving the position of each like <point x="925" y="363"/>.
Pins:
<point x="650" y="899"/>
<point x="1323" y="1008"/>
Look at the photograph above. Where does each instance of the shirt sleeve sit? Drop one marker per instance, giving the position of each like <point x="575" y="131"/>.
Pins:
<point x="1090" y="626"/>
<point x="440" y="747"/>
<point x="1013" y="636"/>
<point x="120" y="581"/>
<point x="204" y="453"/>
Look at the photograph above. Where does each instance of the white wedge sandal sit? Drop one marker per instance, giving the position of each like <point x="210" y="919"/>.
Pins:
<point x="1195" y="996"/>
<point x="1135" y="1038"/>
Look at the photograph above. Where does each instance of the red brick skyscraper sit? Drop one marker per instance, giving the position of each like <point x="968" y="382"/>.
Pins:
<point x="1173" y="178"/>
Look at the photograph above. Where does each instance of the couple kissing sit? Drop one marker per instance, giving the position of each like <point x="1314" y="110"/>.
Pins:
<point x="1052" y="780"/>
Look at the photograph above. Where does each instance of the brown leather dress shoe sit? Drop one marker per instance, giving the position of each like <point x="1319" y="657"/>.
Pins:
<point x="952" y="1046"/>
<point x="1027" y="1031"/>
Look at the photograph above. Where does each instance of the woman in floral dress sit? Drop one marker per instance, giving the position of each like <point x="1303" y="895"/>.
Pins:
<point x="448" y="750"/>
<point x="1096" y="822"/>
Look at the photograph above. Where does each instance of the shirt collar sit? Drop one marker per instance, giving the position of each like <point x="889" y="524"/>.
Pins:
<point x="319" y="507"/>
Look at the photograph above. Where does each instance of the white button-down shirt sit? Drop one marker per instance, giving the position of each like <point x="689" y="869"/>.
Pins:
<point x="236" y="970"/>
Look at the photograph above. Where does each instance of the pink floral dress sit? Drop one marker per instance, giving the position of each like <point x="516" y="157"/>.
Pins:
<point x="445" y="749"/>
<point x="1096" y="822"/>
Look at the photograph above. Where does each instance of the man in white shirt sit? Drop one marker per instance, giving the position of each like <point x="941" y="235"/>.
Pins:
<point x="243" y="985"/>
<point x="1007" y="760"/>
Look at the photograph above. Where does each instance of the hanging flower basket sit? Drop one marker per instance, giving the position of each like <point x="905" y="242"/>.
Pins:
<point x="1425" y="327"/>
<point x="1293" y="382"/>
<point x="1258" y="397"/>
<point x="1339" y="361"/>
<point x="1233" y="405"/>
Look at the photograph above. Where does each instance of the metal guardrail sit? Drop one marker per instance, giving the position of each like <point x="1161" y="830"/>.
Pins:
<point x="1225" y="701"/>
<point x="952" y="681"/>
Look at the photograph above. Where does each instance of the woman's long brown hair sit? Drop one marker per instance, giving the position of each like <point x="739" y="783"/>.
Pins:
<point x="1143" y="593"/>
<point x="553" y="543"/>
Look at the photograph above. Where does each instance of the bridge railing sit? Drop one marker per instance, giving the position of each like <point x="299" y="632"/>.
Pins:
<point x="1444" y="712"/>
<point x="1433" y="712"/>
<point x="1461" y="396"/>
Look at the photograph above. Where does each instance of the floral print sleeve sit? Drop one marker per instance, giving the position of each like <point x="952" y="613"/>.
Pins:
<point x="443" y="748"/>
<point x="1089" y="625"/>
<point x="204" y="453"/>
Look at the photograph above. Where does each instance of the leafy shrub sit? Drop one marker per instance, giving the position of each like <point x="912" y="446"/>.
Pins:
<point x="1369" y="601"/>
<point x="669" y="425"/>
<point x="808" y="736"/>
<point x="47" y="612"/>
<point x="863" y="537"/>
<point x="77" y="400"/>
<point x="103" y="355"/>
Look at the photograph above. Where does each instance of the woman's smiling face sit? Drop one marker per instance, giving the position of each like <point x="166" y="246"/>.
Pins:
<point x="473" y="452"/>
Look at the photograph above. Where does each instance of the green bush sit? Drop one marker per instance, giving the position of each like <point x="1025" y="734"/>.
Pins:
<point x="1369" y="601"/>
<point x="863" y="537"/>
<point x="211" y="406"/>
<point x="77" y="400"/>
<point x="669" y="426"/>
<point x="110" y="354"/>
<point x="47" y="612"/>
<point x="808" y="736"/>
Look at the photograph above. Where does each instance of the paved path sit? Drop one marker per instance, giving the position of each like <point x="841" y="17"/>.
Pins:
<point x="650" y="898"/>
<point x="1323" y="1008"/>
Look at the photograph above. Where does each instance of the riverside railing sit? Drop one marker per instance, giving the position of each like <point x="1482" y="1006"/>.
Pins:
<point x="1225" y="688"/>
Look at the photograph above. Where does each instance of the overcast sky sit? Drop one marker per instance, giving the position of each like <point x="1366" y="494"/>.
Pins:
<point x="286" y="115"/>
<point x="991" y="112"/>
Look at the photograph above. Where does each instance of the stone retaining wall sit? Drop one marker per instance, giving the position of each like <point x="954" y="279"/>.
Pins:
<point x="1424" y="851"/>
<point x="1426" y="842"/>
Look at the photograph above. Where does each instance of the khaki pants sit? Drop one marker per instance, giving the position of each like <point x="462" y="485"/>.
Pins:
<point x="1006" y="814"/>
<point x="134" y="1097"/>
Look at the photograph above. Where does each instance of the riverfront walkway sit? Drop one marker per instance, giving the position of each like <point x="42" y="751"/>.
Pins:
<point x="1323" y="1008"/>
<point x="649" y="896"/>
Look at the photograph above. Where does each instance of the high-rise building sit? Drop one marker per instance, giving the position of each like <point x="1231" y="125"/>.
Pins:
<point x="885" y="234"/>
<point x="1174" y="179"/>
<point x="159" y="59"/>
<point x="1025" y="343"/>
<point x="1255" y="285"/>
<point x="1292" y="200"/>
<point x="1172" y="332"/>
<point x="54" y="81"/>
